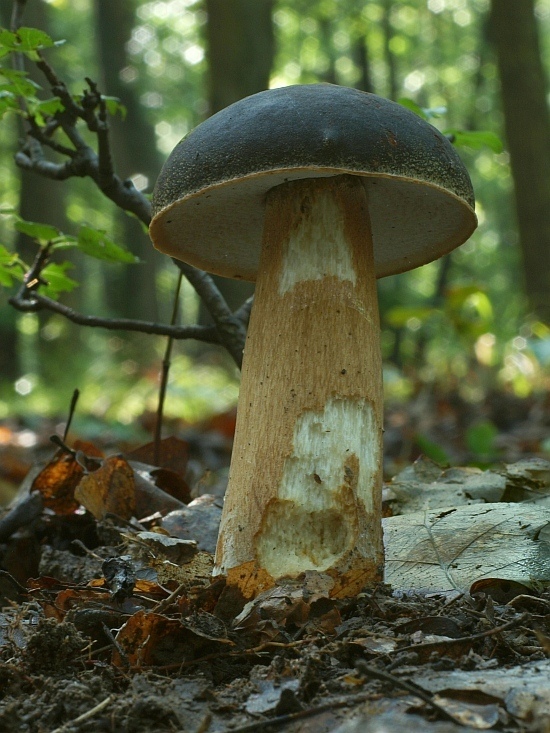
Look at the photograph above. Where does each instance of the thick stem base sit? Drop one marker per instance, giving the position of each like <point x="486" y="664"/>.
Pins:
<point x="305" y="482"/>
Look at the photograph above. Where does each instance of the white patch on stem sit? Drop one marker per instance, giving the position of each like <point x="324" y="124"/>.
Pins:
<point x="326" y="489"/>
<point x="317" y="248"/>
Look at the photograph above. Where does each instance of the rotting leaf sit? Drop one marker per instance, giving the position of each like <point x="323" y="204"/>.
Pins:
<point x="171" y="549"/>
<point x="59" y="478"/>
<point x="501" y="591"/>
<point x="523" y="688"/>
<point x="199" y="520"/>
<point x="480" y="717"/>
<point x="150" y="499"/>
<point x="109" y="490"/>
<point x="173" y="455"/>
<point x="269" y="695"/>
<point x="120" y="577"/>
<point x="453" y="548"/>
<point x="153" y="639"/>
<point x="291" y="603"/>
<point x="173" y="559"/>
<point x="434" y="625"/>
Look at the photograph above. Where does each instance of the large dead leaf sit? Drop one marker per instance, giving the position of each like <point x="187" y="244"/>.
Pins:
<point x="424" y="485"/>
<point x="452" y="548"/>
<point x="109" y="490"/>
<point x="58" y="480"/>
<point x="524" y="690"/>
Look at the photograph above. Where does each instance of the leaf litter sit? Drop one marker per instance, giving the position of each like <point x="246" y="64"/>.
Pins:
<point x="122" y="628"/>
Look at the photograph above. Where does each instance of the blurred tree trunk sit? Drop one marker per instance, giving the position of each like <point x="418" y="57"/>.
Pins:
<point x="240" y="52"/>
<point x="131" y="290"/>
<point x="389" y="56"/>
<point x="240" y="48"/>
<point x="41" y="200"/>
<point x="527" y="125"/>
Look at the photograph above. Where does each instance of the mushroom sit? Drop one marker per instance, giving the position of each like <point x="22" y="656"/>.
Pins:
<point x="313" y="192"/>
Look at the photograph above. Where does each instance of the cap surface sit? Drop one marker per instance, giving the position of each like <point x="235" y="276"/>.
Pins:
<point x="209" y="200"/>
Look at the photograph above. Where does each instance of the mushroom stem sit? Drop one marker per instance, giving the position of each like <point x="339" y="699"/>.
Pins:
<point x="305" y="481"/>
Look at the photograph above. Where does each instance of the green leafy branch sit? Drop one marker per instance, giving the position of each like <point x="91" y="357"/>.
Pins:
<point x="475" y="139"/>
<point x="55" y="124"/>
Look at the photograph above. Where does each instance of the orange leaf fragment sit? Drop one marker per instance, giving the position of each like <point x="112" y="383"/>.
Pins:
<point x="109" y="490"/>
<point x="59" y="478"/>
<point x="149" y="638"/>
<point x="57" y="482"/>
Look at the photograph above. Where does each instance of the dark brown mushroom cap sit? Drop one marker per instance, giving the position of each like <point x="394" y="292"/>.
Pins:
<point x="208" y="203"/>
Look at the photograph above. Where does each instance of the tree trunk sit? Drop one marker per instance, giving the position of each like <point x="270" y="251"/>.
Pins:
<point x="527" y="126"/>
<point x="241" y="46"/>
<point x="41" y="200"/>
<point x="131" y="290"/>
<point x="240" y="52"/>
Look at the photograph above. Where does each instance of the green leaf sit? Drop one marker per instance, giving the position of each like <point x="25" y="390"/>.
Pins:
<point x="96" y="243"/>
<point x="58" y="281"/>
<point x="427" y="113"/>
<point x="40" y="232"/>
<point x="480" y="438"/>
<point x="432" y="450"/>
<point x="8" y="271"/>
<point x="65" y="241"/>
<point x="400" y="315"/>
<point x="7" y="104"/>
<point x="49" y="106"/>
<point x="114" y="105"/>
<point x="8" y="42"/>
<point x="32" y="39"/>
<point x="413" y="106"/>
<point x="18" y="82"/>
<point x="476" y="139"/>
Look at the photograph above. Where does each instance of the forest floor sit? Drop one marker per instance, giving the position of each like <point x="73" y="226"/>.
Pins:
<point x="113" y="624"/>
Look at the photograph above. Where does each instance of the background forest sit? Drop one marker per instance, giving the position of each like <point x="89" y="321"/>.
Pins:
<point x="471" y="325"/>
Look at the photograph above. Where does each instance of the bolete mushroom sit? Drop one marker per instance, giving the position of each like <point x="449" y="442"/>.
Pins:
<point x="313" y="192"/>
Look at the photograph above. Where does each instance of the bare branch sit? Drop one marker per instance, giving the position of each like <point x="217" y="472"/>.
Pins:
<point x="84" y="161"/>
<point x="231" y="329"/>
<point x="36" y="302"/>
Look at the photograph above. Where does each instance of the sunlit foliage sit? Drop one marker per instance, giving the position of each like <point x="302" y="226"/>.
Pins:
<point x="435" y="52"/>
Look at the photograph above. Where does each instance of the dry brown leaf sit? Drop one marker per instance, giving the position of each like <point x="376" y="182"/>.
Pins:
<point x="109" y="490"/>
<point x="59" y="478"/>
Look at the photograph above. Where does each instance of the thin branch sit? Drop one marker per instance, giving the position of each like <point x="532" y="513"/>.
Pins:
<point x="231" y="329"/>
<point x="17" y="12"/>
<point x="243" y="313"/>
<point x="426" y="697"/>
<point x="166" y="363"/>
<point x="37" y="302"/>
<point x="86" y="716"/>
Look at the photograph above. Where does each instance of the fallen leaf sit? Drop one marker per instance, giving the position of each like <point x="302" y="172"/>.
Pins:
<point x="453" y="548"/>
<point x="109" y="490"/>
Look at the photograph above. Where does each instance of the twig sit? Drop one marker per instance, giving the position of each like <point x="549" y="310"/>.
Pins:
<point x="36" y="302"/>
<point x="301" y="714"/>
<point x="164" y="376"/>
<point x="16" y="584"/>
<point x="122" y="654"/>
<point x="161" y="606"/>
<point x="231" y="328"/>
<point x="17" y="12"/>
<point x="72" y="408"/>
<point x="404" y="684"/>
<point x="86" y="716"/>
<point x="446" y="643"/>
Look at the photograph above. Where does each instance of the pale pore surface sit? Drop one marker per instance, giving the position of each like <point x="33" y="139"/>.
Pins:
<point x="318" y="247"/>
<point x="331" y="471"/>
